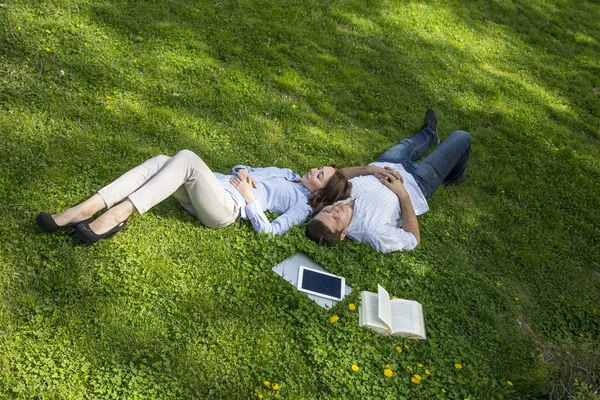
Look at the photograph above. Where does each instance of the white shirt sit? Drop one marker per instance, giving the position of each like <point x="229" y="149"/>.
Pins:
<point x="377" y="218"/>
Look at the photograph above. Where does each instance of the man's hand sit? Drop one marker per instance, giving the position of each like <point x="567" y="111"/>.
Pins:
<point x="387" y="173"/>
<point x="395" y="183"/>
<point x="243" y="174"/>
<point x="244" y="187"/>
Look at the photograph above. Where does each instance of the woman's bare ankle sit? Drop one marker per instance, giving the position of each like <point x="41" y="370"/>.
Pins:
<point x="70" y="215"/>
<point x="112" y="217"/>
<point x="81" y="211"/>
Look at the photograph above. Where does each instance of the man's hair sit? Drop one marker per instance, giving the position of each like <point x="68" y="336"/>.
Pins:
<point x="318" y="232"/>
<point x="337" y="188"/>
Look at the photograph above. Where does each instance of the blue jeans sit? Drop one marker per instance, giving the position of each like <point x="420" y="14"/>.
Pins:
<point x="446" y="164"/>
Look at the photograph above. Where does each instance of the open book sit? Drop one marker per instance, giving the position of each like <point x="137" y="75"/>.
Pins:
<point x="396" y="317"/>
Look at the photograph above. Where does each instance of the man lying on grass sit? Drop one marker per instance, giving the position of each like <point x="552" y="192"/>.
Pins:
<point x="387" y="195"/>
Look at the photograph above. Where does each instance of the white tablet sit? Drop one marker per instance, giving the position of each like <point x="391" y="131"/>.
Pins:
<point x="321" y="283"/>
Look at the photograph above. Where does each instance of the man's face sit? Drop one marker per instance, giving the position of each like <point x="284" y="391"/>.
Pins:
<point x="336" y="217"/>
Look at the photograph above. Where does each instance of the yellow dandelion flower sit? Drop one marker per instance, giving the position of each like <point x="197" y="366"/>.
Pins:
<point x="260" y="395"/>
<point x="457" y="366"/>
<point x="377" y="269"/>
<point x="135" y="60"/>
<point x="27" y="59"/>
<point x="47" y="49"/>
<point x="419" y="365"/>
<point x="333" y="319"/>
<point x="18" y="28"/>
<point x="399" y="349"/>
<point x="516" y="298"/>
<point x="197" y="10"/>
<point x="275" y="386"/>
<point x="443" y="390"/>
<point x="107" y="107"/>
<point x="355" y="367"/>
<point x="416" y="379"/>
<point x="77" y="25"/>
<point x="293" y="106"/>
<point x="388" y="372"/>
<point x="366" y="130"/>
<point x="394" y="297"/>
<point x="388" y="366"/>
<point x="427" y="372"/>
<point x="498" y="284"/>
<point x="418" y="376"/>
<point x="267" y="383"/>
<point x="351" y="306"/>
<point x="509" y="383"/>
<point x="108" y="97"/>
<point x="409" y="368"/>
<point x="406" y="346"/>
<point x="556" y="149"/>
<point x="47" y="31"/>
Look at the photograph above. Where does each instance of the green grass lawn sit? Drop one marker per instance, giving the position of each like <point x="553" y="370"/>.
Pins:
<point x="508" y="266"/>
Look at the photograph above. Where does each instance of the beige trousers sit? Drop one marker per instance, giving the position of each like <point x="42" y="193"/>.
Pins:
<point x="186" y="177"/>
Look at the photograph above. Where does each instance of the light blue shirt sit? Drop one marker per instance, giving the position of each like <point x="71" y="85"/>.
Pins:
<point x="278" y="191"/>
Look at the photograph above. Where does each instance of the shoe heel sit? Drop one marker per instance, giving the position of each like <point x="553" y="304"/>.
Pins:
<point x="116" y="229"/>
<point x="86" y="235"/>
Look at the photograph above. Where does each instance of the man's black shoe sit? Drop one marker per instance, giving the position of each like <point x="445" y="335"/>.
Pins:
<point x="431" y="121"/>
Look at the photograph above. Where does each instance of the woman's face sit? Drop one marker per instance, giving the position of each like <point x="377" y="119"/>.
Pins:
<point x="317" y="178"/>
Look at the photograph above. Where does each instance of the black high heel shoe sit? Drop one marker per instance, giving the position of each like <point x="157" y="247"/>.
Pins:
<point x="47" y="224"/>
<point x="87" y="235"/>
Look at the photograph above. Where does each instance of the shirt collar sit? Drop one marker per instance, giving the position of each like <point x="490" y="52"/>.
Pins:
<point x="304" y="191"/>
<point x="356" y="219"/>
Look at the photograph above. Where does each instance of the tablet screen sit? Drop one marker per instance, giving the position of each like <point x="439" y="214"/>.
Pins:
<point x="321" y="283"/>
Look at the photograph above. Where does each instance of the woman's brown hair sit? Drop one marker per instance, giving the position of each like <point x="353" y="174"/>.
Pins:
<point x="337" y="188"/>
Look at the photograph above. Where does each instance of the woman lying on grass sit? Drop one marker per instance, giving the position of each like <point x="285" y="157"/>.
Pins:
<point x="216" y="200"/>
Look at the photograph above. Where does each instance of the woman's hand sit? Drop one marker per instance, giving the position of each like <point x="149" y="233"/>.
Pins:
<point x="244" y="175"/>
<point x="244" y="187"/>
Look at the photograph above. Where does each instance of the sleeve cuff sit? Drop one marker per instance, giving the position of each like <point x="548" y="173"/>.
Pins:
<point x="252" y="208"/>
<point x="237" y="167"/>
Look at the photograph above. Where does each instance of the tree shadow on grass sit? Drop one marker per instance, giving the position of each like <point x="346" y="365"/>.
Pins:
<point x="559" y="42"/>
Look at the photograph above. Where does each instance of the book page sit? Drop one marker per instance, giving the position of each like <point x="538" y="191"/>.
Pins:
<point x="385" y="312"/>
<point x="370" y="310"/>
<point x="407" y="318"/>
<point x="421" y="320"/>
